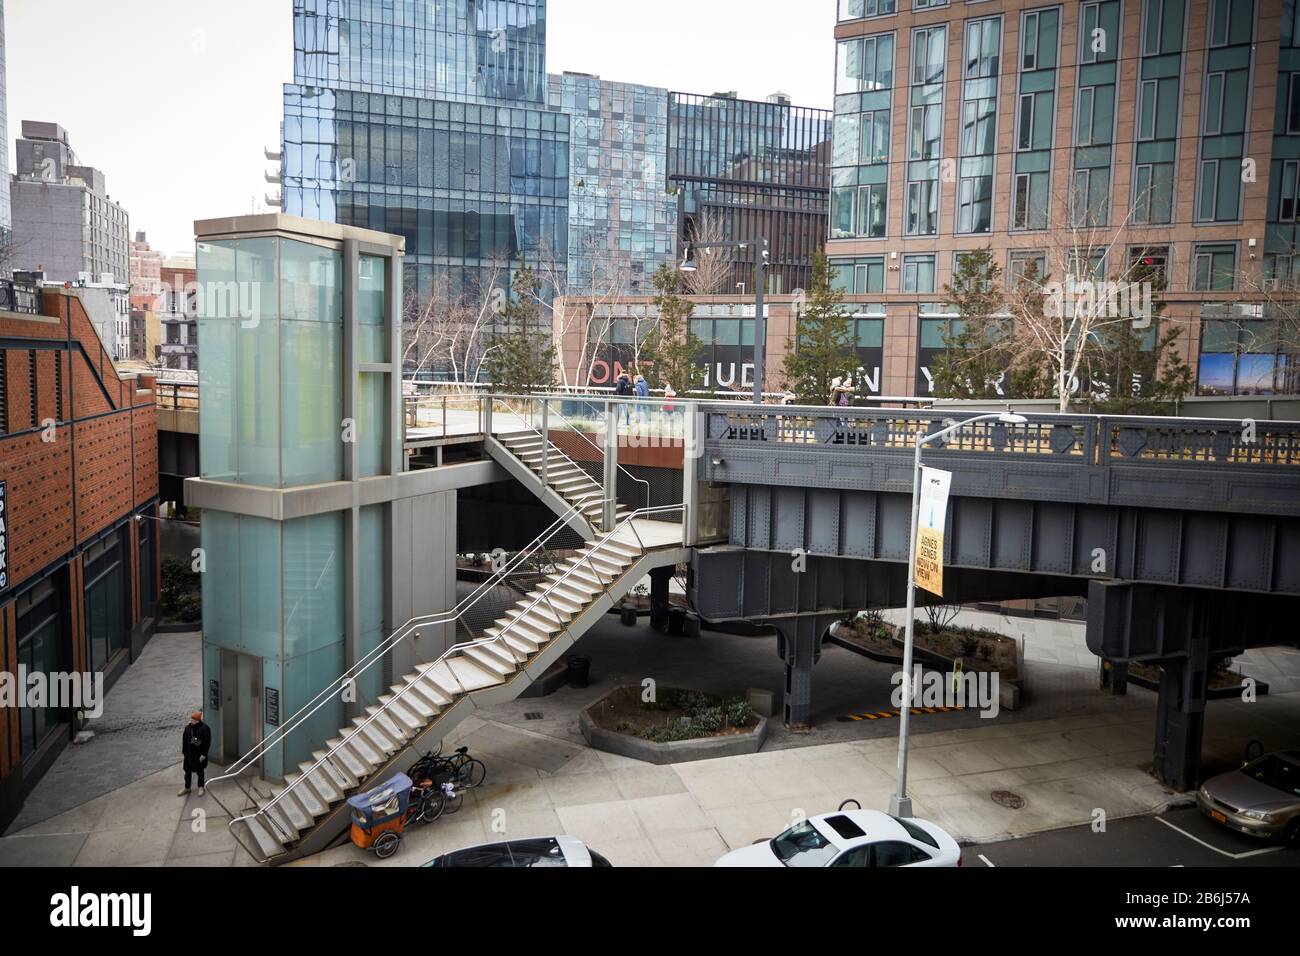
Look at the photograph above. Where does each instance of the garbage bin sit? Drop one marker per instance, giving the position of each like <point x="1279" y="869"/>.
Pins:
<point x="627" y="614"/>
<point x="676" y="620"/>
<point x="579" y="670"/>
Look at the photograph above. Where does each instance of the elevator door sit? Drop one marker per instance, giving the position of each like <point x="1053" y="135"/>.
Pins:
<point x="241" y="698"/>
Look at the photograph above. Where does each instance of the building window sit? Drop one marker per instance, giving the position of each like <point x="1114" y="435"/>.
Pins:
<point x="918" y="273"/>
<point x="40" y="651"/>
<point x="983" y="41"/>
<point x="1213" y="267"/>
<point x="1083" y="112"/>
<point x="1153" y="260"/>
<point x="1208" y="190"/>
<point x="1287" y="188"/>
<point x="872" y="207"/>
<point x="875" y="137"/>
<point x="1019" y="261"/>
<point x="1212" y="121"/>
<point x="1293" y="105"/>
<point x="105" y="606"/>
<point x="923" y="208"/>
<point x="865" y="64"/>
<point x="1029" y="201"/>
<point x="859" y="276"/>
<point x="860" y="9"/>
<point x="1029" y="42"/>
<point x="1089" y="15"/>
<point x="927" y="131"/>
<point x="975" y="204"/>
<point x="929" y="50"/>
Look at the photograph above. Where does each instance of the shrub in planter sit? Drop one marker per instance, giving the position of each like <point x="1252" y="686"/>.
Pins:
<point x="739" y="713"/>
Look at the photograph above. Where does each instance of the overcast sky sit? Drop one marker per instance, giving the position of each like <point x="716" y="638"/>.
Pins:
<point x="175" y="99"/>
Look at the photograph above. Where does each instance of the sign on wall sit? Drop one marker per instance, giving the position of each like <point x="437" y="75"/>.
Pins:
<point x="4" y="539"/>
<point x="930" y="526"/>
<point x="273" y="707"/>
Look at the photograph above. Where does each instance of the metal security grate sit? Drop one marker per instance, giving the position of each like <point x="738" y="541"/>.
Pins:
<point x="31" y="384"/>
<point x="58" y="386"/>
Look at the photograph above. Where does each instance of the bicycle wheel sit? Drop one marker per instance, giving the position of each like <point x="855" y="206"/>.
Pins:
<point x="386" y="844"/>
<point x="433" y="806"/>
<point x="453" y="801"/>
<point x="471" y="773"/>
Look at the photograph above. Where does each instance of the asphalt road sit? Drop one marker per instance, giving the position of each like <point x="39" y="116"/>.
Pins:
<point x="1181" y="837"/>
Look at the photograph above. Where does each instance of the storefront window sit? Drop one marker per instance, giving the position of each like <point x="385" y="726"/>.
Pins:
<point x="40" y="651"/>
<point x="105" y="596"/>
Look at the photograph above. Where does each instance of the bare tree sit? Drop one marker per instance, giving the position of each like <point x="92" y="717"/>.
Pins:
<point x="1087" y="289"/>
<point x="713" y="267"/>
<point x="608" y="285"/>
<point x="1277" y="301"/>
<point x="453" y="334"/>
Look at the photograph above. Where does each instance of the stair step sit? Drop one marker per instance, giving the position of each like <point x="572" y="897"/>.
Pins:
<point x="288" y="813"/>
<point x="392" y="727"/>
<point x="490" y="660"/>
<point x="335" y="777"/>
<point x="471" y="674"/>
<point x="426" y="689"/>
<point x="358" y="749"/>
<point x="321" y="787"/>
<point x="262" y="837"/>
<point x="411" y="706"/>
<point x="375" y="735"/>
<point x="308" y="798"/>
<point x="526" y="630"/>
<point x="553" y="600"/>
<point x="346" y="761"/>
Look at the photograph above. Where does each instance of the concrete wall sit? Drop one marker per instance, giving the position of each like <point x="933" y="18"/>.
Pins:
<point x="423" y="549"/>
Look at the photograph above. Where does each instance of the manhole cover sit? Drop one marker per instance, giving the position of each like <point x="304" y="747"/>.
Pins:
<point x="533" y="715"/>
<point x="1005" y="798"/>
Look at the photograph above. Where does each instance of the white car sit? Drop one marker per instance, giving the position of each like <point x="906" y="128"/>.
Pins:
<point x="852" y="838"/>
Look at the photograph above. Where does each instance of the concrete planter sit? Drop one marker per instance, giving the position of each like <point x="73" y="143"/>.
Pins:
<point x="676" y="751"/>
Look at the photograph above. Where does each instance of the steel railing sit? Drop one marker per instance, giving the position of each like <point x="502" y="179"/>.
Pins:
<point x="456" y="650"/>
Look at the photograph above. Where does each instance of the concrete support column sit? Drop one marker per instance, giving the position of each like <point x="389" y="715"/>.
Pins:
<point x="797" y="645"/>
<point x="1180" y="716"/>
<point x="659" y="581"/>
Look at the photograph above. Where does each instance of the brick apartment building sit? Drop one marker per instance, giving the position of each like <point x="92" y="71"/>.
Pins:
<point x="79" y="568"/>
<point x="1169" y="128"/>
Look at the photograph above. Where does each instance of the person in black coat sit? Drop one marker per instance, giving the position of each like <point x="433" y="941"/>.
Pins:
<point x="195" y="742"/>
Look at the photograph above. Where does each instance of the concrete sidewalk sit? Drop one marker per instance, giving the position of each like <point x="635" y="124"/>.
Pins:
<point x="1070" y="751"/>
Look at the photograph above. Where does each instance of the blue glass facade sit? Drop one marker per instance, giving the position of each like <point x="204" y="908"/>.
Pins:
<point x="622" y="220"/>
<point x="427" y="119"/>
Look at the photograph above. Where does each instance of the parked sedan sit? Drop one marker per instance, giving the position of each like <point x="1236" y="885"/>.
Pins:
<point x="1262" y="799"/>
<point x="852" y="838"/>
<point x="538" y="851"/>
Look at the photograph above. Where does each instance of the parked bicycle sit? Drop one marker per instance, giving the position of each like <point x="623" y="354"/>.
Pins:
<point x="462" y="770"/>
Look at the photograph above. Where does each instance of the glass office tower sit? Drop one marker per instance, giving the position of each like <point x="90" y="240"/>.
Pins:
<point x="622" y="220"/>
<point x="428" y="119"/>
<point x="747" y="169"/>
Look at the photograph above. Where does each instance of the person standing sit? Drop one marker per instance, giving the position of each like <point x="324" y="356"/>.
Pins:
<point x="642" y="395"/>
<point x="195" y="742"/>
<point x="623" y="389"/>
<point x="670" y="407"/>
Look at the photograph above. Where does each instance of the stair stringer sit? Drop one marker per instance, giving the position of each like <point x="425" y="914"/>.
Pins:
<point x="548" y="495"/>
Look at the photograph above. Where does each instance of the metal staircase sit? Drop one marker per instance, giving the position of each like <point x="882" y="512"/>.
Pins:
<point x="529" y="454"/>
<point x="278" y="823"/>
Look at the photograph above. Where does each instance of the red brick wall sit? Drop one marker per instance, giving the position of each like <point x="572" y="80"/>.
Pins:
<point x="115" y="437"/>
<point x="38" y="483"/>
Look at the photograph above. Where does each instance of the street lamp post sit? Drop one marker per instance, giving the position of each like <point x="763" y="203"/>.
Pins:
<point x="900" y="804"/>
<point x="760" y="282"/>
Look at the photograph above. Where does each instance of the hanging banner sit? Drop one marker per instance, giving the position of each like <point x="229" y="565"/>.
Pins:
<point x="928" y="571"/>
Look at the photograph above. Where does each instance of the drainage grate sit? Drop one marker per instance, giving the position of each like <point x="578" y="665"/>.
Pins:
<point x="533" y="715"/>
<point x="1005" y="798"/>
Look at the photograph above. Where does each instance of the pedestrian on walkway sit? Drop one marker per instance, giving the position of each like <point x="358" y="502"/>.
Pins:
<point x="623" y="389"/>
<point x="195" y="742"/>
<point x="643" y="395"/>
<point x="670" y="407"/>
